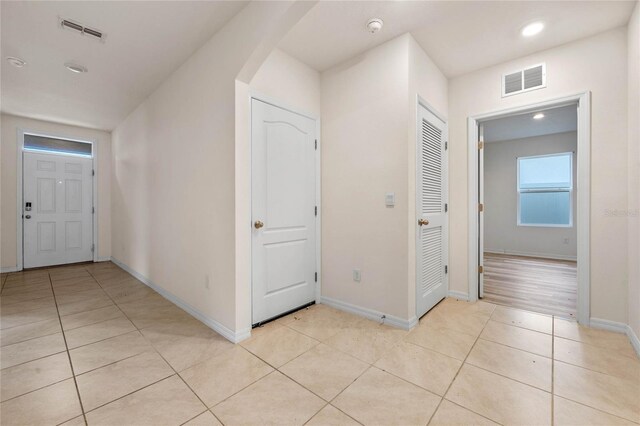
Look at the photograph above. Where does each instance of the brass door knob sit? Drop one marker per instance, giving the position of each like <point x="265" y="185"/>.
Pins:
<point x="423" y="222"/>
<point x="258" y="224"/>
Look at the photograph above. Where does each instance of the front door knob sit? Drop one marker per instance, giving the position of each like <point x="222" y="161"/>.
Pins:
<point x="258" y="224"/>
<point x="28" y="216"/>
<point x="423" y="222"/>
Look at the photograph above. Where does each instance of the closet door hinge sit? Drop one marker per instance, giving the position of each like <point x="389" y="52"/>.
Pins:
<point x="446" y="207"/>
<point x="93" y="172"/>
<point x="480" y="145"/>
<point x="480" y="269"/>
<point x="93" y="247"/>
<point x="446" y="145"/>
<point x="315" y="210"/>
<point x="316" y="144"/>
<point x="93" y="210"/>
<point x="446" y="269"/>
<point x="316" y="277"/>
<point x="480" y="207"/>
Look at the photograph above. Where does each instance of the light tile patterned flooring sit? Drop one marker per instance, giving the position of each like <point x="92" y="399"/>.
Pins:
<point x="90" y="344"/>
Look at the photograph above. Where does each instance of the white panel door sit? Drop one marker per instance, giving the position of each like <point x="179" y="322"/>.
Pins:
<point x="283" y="210"/>
<point x="57" y="209"/>
<point x="432" y="227"/>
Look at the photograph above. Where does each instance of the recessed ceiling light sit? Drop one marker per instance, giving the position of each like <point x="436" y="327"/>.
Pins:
<point x="374" y="25"/>
<point x="16" y="62"/>
<point x="75" y="68"/>
<point x="538" y="116"/>
<point x="532" y="29"/>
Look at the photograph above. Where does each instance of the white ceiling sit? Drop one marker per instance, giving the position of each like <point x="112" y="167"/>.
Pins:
<point x="460" y="36"/>
<point x="556" y="120"/>
<point x="146" y="41"/>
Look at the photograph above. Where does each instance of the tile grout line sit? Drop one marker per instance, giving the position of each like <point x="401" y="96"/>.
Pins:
<point x="152" y="346"/>
<point x="40" y="388"/>
<point x="64" y="337"/>
<point x="458" y="372"/>
<point x="35" y="359"/>
<point x="33" y="299"/>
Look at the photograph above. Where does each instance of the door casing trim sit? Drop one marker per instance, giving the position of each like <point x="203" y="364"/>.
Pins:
<point x="19" y="189"/>
<point x="283" y="105"/>
<point x="583" y="203"/>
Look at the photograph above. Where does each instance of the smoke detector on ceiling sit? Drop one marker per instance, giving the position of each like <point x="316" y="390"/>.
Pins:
<point x="374" y="25"/>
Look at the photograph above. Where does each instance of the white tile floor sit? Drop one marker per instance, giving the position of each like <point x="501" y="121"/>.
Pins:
<point x="90" y="344"/>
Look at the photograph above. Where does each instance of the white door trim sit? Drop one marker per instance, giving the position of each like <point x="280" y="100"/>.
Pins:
<point x="19" y="190"/>
<point x="283" y="105"/>
<point x="422" y="102"/>
<point x="583" y="101"/>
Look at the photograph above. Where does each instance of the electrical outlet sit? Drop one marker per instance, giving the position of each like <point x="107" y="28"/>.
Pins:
<point x="206" y="282"/>
<point x="357" y="275"/>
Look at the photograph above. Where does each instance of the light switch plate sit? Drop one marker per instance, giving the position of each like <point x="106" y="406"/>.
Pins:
<point x="390" y="199"/>
<point x="357" y="276"/>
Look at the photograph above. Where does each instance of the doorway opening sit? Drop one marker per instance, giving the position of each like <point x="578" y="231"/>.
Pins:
<point x="529" y="228"/>
<point x="57" y="222"/>
<point x="529" y="193"/>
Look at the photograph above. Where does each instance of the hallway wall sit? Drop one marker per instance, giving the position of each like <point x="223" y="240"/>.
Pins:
<point x="597" y="64"/>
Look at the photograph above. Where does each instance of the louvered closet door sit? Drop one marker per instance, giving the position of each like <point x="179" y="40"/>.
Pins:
<point x="432" y="240"/>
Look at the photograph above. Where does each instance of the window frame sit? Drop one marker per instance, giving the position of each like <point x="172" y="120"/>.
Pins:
<point x="540" y="190"/>
<point x="54" y="152"/>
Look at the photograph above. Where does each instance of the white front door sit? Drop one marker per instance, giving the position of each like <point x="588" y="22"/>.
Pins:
<point x="283" y="185"/>
<point x="433" y="236"/>
<point x="57" y="209"/>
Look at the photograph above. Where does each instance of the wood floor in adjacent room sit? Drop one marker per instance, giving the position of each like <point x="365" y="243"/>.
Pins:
<point x="541" y="285"/>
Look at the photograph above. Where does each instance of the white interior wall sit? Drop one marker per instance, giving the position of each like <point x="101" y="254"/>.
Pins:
<point x="501" y="231"/>
<point x="8" y="199"/>
<point x="179" y="197"/>
<point x="368" y="149"/>
<point x="633" y="212"/>
<point x="597" y="64"/>
<point x="289" y="82"/>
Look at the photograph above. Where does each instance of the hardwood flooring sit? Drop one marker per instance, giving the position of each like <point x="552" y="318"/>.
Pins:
<point x="541" y="285"/>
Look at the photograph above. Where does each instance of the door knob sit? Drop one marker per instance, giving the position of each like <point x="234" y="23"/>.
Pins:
<point x="28" y="216"/>
<point x="258" y="224"/>
<point x="423" y="222"/>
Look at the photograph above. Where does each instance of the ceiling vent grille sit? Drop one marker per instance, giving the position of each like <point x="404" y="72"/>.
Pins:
<point x="531" y="78"/>
<point x="81" y="29"/>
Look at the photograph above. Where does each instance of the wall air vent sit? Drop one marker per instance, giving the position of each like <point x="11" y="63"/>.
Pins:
<point x="78" y="28"/>
<point x="531" y="78"/>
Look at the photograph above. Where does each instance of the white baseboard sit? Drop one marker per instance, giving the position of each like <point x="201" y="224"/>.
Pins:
<point x="633" y="338"/>
<point x="531" y="254"/>
<point x="233" y="336"/>
<point x="370" y="313"/>
<point x="459" y="295"/>
<point x="617" y="327"/>
<point x="603" y="324"/>
<point x="6" y="269"/>
<point x="104" y="259"/>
